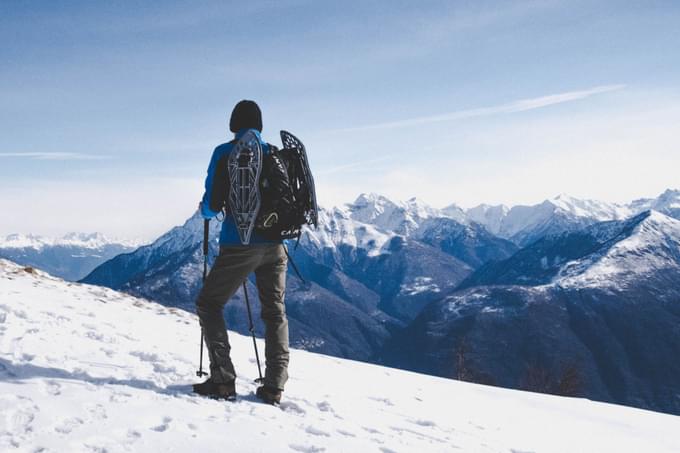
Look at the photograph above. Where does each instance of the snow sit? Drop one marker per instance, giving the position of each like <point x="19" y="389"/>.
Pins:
<point x="336" y="227"/>
<point x="508" y="222"/>
<point x="84" y="368"/>
<point x="370" y="223"/>
<point x="669" y="200"/>
<point x="394" y="216"/>
<point x="592" y="209"/>
<point x="83" y="240"/>
<point x="418" y="286"/>
<point x="652" y="246"/>
<point x="489" y="216"/>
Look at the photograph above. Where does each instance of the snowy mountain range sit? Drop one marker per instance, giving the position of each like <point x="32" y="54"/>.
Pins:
<point x="593" y="313"/>
<point x="85" y="368"/>
<point x="376" y="269"/>
<point x="170" y="270"/>
<point x="525" y="224"/>
<point x="71" y="256"/>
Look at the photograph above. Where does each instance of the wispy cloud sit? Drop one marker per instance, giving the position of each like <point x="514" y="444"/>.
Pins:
<point x="353" y="166"/>
<point x="521" y="105"/>
<point x="54" y="156"/>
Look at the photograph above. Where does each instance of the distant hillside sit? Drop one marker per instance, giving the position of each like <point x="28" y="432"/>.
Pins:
<point x="72" y="256"/>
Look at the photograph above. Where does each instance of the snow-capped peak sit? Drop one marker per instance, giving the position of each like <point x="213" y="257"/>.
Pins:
<point x="337" y="227"/>
<point x="490" y="216"/>
<point x="667" y="202"/>
<point x="456" y="213"/>
<point x="73" y="239"/>
<point x="642" y="245"/>
<point x="593" y="209"/>
<point x="395" y="216"/>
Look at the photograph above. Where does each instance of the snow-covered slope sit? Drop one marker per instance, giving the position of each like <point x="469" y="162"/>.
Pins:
<point x="489" y="216"/>
<point x="605" y="254"/>
<point x="71" y="256"/>
<point x="651" y="247"/>
<point x="337" y="228"/>
<point x="83" y="368"/>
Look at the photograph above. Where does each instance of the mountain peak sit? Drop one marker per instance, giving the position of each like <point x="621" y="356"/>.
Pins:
<point x="370" y="198"/>
<point x="396" y="216"/>
<point x="642" y="245"/>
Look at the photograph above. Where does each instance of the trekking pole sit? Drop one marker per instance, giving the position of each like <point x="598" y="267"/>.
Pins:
<point x="252" y="332"/>
<point x="206" y="237"/>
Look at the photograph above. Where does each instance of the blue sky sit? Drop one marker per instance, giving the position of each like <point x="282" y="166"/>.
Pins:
<point x="110" y="110"/>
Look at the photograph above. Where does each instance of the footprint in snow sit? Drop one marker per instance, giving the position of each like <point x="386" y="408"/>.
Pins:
<point x="97" y="411"/>
<point x="145" y="356"/>
<point x="292" y="408"/>
<point x="68" y="425"/>
<point x="427" y="423"/>
<point x="16" y="418"/>
<point x="346" y="433"/>
<point x="385" y="401"/>
<point x="95" y="448"/>
<point x="306" y="448"/>
<point x="401" y="430"/>
<point x="20" y="314"/>
<point x="316" y="432"/>
<point x="325" y="406"/>
<point x="119" y="397"/>
<point x="52" y="388"/>
<point x="163" y="426"/>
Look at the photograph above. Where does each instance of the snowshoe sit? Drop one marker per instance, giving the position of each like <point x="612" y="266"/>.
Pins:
<point x="269" y="395"/>
<point x="219" y="391"/>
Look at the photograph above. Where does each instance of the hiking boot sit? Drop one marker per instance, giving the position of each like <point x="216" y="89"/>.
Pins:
<point x="269" y="395"/>
<point x="216" y="390"/>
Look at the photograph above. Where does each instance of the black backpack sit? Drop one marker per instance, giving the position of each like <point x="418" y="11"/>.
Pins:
<point x="287" y="193"/>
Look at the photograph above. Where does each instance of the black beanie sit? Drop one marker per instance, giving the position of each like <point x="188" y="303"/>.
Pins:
<point x="246" y="115"/>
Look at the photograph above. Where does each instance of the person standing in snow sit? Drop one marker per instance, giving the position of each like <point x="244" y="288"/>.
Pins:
<point x="232" y="266"/>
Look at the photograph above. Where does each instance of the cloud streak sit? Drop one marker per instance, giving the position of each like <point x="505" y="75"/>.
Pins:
<point x="54" y="156"/>
<point x="353" y="166"/>
<point x="521" y="105"/>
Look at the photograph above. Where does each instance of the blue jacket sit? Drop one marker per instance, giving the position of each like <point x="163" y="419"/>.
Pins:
<point x="229" y="235"/>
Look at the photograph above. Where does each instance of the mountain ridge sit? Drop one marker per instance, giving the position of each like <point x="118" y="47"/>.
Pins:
<point x="604" y="317"/>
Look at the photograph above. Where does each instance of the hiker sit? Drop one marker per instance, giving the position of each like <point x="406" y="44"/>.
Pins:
<point x="266" y="257"/>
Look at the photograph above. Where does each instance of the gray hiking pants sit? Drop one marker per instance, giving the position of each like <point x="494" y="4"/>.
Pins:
<point x="231" y="268"/>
